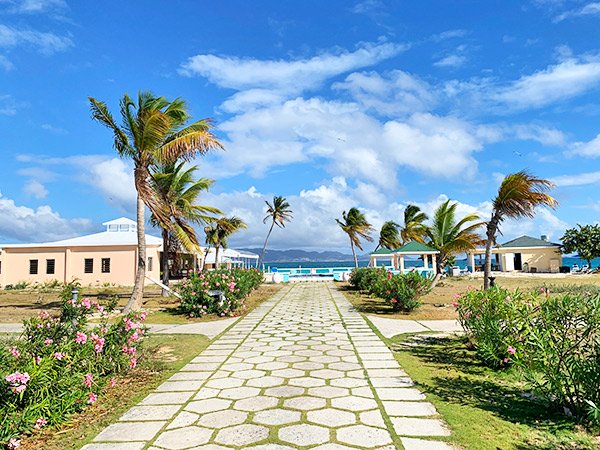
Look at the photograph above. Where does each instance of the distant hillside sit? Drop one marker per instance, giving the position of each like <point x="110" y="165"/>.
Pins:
<point x="276" y="256"/>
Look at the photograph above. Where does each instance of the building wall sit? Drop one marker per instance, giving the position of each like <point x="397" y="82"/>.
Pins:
<point x="541" y="259"/>
<point x="70" y="263"/>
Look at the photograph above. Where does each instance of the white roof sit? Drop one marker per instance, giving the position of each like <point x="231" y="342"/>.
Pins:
<point x="227" y="254"/>
<point x="125" y="236"/>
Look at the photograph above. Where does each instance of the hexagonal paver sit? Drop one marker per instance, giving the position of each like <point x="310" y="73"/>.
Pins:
<point x="327" y="374"/>
<point x="307" y="382"/>
<point x="352" y="403"/>
<point x="247" y="374"/>
<point x="328" y="391"/>
<point x="363" y="436"/>
<point x="349" y="382"/>
<point x="291" y="359"/>
<point x="331" y="417"/>
<point x="237" y="367"/>
<point x="275" y="365"/>
<point x="256" y="403"/>
<point x="221" y="419"/>
<point x="267" y="381"/>
<point x="304" y="434"/>
<point x="277" y="416"/>
<point x="287" y="373"/>
<point x="305" y="403"/>
<point x="183" y="438"/>
<point x="284" y="391"/>
<point x="239" y="392"/>
<point x="208" y="405"/>
<point x="223" y="383"/>
<point x="242" y="435"/>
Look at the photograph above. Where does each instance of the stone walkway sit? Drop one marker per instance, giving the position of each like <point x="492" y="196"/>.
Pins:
<point x="303" y="370"/>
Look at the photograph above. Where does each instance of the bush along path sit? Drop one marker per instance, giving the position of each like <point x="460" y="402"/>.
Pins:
<point x="303" y="370"/>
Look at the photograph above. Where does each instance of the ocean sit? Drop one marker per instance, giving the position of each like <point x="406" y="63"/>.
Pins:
<point x="462" y="263"/>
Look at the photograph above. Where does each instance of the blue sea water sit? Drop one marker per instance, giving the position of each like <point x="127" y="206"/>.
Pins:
<point x="462" y="263"/>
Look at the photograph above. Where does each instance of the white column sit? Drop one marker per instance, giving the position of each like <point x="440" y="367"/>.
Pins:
<point x="374" y="261"/>
<point x="472" y="261"/>
<point x="401" y="263"/>
<point x="434" y="263"/>
<point x="426" y="261"/>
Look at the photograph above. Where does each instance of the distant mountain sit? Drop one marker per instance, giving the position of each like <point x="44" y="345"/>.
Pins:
<point x="293" y="255"/>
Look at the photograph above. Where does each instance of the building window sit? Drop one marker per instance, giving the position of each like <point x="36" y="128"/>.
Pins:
<point x="113" y="228"/>
<point x="150" y="264"/>
<point x="105" y="265"/>
<point x="123" y="227"/>
<point x="50" y="264"/>
<point x="33" y="267"/>
<point x="88" y="265"/>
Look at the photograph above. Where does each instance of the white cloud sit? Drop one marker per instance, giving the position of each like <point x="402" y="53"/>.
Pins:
<point x="449" y="34"/>
<point x="114" y="179"/>
<point x="539" y="133"/>
<point x="580" y="179"/>
<point x="44" y="42"/>
<point x="590" y="149"/>
<point x="35" y="6"/>
<point x="5" y="64"/>
<point x="8" y="105"/>
<point x="286" y="76"/>
<point x="454" y="60"/>
<point x="24" y="224"/>
<point x="54" y="130"/>
<point x="367" y="6"/>
<point x="558" y="82"/>
<point x="591" y="9"/>
<point x="35" y="189"/>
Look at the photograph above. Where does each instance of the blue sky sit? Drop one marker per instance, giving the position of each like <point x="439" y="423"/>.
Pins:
<point x="334" y="104"/>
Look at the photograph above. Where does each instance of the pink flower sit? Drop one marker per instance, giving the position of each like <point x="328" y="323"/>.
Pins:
<point x="134" y="337"/>
<point x="455" y="305"/>
<point x="18" y="381"/>
<point x="92" y="398"/>
<point x="59" y="355"/>
<point x="80" y="338"/>
<point x="86" y="302"/>
<point x="389" y="275"/>
<point x="394" y="300"/>
<point x="231" y="286"/>
<point x="87" y="379"/>
<point x="48" y="341"/>
<point x="14" y="444"/>
<point x="38" y="360"/>
<point x="99" y="345"/>
<point x="511" y="350"/>
<point x="15" y="352"/>
<point x="43" y="315"/>
<point x="40" y="423"/>
<point x="112" y="382"/>
<point x="132" y="363"/>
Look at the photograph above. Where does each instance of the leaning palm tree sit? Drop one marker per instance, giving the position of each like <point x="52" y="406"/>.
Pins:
<point x="451" y="236"/>
<point x="278" y="213"/>
<point x="518" y="196"/>
<point x="178" y="191"/>
<point x="355" y="225"/>
<point x="389" y="236"/>
<point x="153" y="130"/>
<point x="414" y="228"/>
<point x="221" y="230"/>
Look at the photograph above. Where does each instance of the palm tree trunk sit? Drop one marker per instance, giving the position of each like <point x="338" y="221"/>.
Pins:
<point x="135" y="301"/>
<point x="439" y="268"/>
<point x="165" y="262"/>
<point x="205" y="256"/>
<point x="262" y="255"/>
<point x="217" y="248"/>
<point x="492" y="227"/>
<point x="354" y="253"/>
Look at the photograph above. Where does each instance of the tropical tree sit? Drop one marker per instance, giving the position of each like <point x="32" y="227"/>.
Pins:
<point x="414" y="228"/>
<point x="389" y="236"/>
<point x="178" y="192"/>
<point x="153" y="130"/>
<point x="518" y="196"/>
<point x="451" y="236"/>
<point x="585" y="240"/>
<point x="218" y="233"/>
<point x="355" y="225"/>
<point x="277" y="213"/>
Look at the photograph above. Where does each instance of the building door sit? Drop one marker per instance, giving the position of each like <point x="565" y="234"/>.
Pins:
<point x="518" y="262"/>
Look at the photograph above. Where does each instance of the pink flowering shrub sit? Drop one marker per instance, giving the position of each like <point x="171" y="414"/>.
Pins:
<point x="62" y="364"/>
<point x="235" y="284"/>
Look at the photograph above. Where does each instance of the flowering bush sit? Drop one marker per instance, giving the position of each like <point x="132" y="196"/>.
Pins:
<point x="402" y="292"/>
<point x="60" y="365"/>
<point x="235" y="284"/>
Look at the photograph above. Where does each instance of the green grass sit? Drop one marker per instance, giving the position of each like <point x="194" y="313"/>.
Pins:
<point x="486" y="410"/>
<point x="163" y="355"/>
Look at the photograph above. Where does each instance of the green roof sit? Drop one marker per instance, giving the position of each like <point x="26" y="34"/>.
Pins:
<point x="527" y="241"/>
<point x="415" y="247"/>
<point x="383" y="251"/>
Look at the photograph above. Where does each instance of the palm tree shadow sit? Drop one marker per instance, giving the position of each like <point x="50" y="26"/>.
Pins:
<point x="370" y="305"/>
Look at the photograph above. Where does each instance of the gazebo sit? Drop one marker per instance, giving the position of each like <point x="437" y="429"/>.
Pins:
<point x="396" y="256"/>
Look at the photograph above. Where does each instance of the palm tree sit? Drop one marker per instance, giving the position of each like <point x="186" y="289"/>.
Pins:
<point x="355" y="225"/>
<point x="414" y="228"/>
<point x="153" y="130"/>
<point x="518" y="196"/>
<point x="219" y="232"/>
<point x="389" y="236"/>
<point x="451" y="236"/>
<point x="278" y="213"/>
<point x="178" y="192"/>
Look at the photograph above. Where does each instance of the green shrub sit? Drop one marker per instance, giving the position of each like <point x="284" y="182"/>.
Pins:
<point x="402" y="292"/>
<point x="493" y="322"/>
<point x="60" y="365"/>
<point x="235" y="284"/>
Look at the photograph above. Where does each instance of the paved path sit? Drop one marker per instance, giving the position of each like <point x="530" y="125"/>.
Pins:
<point x="303" y="370"/>
<point x="392" y="327"/>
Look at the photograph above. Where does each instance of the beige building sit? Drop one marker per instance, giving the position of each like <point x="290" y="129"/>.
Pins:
<point x="524" y="254"/>
<point x="106" y="257"/>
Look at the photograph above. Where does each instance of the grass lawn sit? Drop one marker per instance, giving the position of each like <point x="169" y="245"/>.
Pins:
<point x="18" y="305"/>
<point x="163" y="355"/>
<point x="438" y="303"/>
<point x="486" y="410"/>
